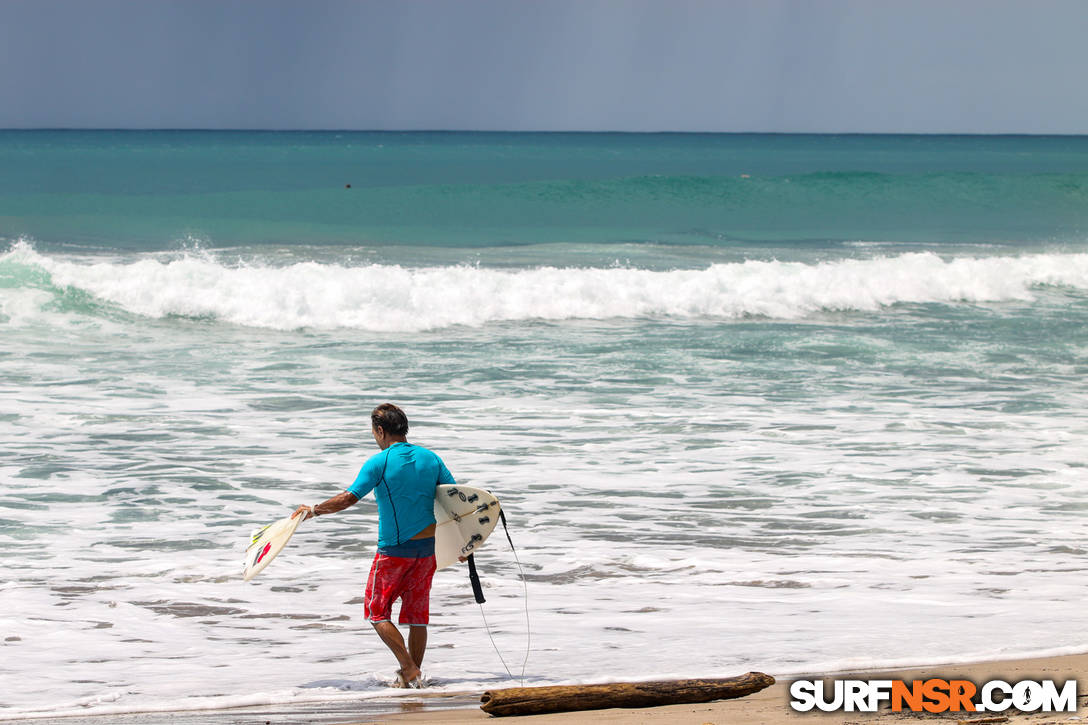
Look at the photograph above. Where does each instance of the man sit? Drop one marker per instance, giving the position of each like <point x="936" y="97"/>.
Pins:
<point x="403" y="478"/>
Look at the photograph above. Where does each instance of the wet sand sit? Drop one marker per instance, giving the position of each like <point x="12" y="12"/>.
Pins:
<point x="771" y="706"/>
<point x="768" y="707"/>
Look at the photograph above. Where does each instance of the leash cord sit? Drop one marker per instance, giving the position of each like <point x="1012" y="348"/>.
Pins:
<point x="488" y="628"/>
<point x="525" y="588"/>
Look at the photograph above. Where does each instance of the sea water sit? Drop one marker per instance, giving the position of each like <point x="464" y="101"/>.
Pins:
<point x="775" y="403"/>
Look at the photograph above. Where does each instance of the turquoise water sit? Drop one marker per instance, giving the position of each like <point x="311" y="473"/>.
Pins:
<point x="154" y="190"/>
<point x="819" y="399"/>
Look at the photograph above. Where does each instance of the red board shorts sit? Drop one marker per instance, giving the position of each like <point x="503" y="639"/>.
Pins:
<point x="393" y="577"/>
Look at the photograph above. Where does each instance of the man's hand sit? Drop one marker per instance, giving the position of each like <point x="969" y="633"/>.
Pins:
<point x="339" y="502"/>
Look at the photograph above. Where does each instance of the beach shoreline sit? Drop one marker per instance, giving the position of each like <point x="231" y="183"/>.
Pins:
<point x="771" y="706"/>
<point x="767" y="707"/>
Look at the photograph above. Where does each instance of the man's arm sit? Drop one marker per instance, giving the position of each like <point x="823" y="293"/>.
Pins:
<point x="444" y="475"/>
<point x="339" y="502"/>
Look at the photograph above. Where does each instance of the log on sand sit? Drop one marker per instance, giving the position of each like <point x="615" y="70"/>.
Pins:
<point x="538" y="700"/>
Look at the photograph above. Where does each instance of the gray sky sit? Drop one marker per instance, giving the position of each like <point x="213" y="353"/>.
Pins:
<point x="969" y="66"/>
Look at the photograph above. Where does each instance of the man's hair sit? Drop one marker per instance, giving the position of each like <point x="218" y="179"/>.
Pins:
<point x="390" y="418"/>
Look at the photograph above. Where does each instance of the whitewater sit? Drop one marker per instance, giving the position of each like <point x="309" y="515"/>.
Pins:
<point x="385" y="297"/>
<point x="783" y="465"/>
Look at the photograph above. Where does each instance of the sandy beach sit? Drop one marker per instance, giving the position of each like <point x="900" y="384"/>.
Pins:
<point x="768" y="707"/>
<point x="771" y="706"/>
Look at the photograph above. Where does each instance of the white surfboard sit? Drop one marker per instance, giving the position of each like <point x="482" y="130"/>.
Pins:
<point x="465" y="517"/>
<point x="268" y="542"/>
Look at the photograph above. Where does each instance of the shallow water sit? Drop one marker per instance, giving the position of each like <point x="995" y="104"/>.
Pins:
<point x="714" y="457"/>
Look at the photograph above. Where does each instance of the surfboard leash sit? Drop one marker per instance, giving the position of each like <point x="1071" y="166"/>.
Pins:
<point x="525" y="595"/>
<point x="474" y="580"/>
<point x="477" y="591"/>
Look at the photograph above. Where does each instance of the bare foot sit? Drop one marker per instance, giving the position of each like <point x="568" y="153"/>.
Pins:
<point x="409" y="677"/>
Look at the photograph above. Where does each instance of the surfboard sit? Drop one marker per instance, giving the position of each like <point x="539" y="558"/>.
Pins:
<point x="465" y="517"/>
<point x="267" y="543"/>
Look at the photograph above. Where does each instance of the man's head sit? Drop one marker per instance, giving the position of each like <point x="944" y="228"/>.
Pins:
<point x="389" y="424"/>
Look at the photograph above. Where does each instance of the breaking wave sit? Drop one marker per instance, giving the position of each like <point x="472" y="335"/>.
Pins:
<point x="384" y="297"/>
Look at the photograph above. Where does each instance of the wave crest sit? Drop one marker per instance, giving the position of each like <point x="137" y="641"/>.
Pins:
<point x="395" y="298"/>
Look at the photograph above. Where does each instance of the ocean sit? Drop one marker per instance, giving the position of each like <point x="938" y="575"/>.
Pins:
<point x="751" y="402"/>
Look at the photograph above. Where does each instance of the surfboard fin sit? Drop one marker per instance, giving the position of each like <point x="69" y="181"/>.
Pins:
<point x="257" y="533"/>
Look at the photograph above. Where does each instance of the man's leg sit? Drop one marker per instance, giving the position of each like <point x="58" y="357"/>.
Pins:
<point x="395" y="642"/>
<point x="417" y="643"/>
<point x="381" y="590"/>
<point x="415" y="609"/>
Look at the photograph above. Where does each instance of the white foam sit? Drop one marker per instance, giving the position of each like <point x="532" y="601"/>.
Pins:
<point x="396" y="298"/>
<point x="766" y="508"/>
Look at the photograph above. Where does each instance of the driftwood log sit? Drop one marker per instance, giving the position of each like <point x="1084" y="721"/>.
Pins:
<point x="538" y="700"/>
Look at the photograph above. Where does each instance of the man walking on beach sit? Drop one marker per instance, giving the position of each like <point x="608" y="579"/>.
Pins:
<point x="403" y="478"/>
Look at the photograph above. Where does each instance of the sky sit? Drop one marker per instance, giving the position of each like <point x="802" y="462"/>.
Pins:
<point x="825" y="66"/>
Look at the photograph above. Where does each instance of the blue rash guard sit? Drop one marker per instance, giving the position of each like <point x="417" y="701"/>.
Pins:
<point x="402" y="477"/>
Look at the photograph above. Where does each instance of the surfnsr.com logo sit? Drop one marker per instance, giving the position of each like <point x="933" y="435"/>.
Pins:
<point x="933" y="695"/>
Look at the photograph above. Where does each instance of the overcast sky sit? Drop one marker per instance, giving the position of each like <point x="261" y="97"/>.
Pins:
<point x="974" y="66"/>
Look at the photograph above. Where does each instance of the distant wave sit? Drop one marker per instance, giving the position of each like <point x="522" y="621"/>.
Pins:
<point x="391" y="298"/>
<point x="986" y="190"/>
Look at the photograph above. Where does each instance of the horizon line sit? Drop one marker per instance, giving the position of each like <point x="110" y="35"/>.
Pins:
<point x="207" y="129"/>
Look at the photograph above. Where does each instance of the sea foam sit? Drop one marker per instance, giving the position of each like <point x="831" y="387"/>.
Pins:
<point x="383" y="297"/>
<point x="920" y="478"/>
